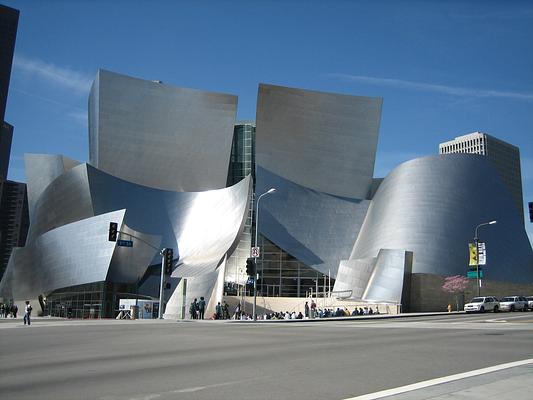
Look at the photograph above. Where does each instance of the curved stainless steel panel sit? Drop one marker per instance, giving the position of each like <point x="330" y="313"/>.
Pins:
<point x="431" y="206"/>
<point x="65" y="200"/>
<point x="160" y="136"/>
<point x="353" y="276"/>
<point x="70" y="255"/>
<point x="388" y="277"/>
<point x="322" y="141"/>
<point x="375" y="279"/>
<point x="129" y="263"/>
<point x="41" y="171"/>
<point x="202" y="227"/>
<point x="316" y="228"/>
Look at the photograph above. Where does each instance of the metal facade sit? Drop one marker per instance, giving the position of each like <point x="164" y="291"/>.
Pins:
<point x="316" y="228"/>
<point x="160" y="136"/>
<point x="431" y="206"/>
<point x="322" y="141"/>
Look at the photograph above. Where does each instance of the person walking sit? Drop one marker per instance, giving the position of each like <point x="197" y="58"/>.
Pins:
<point x="237" y="314"/>
<point x="225" y="310"/>
<point x="193" y="309"/>
<point x="15" y="310"/>
<point x="218" y="311"/>
<point x="27" y="313"/>
<point x="201" y="308"/>
<point x="313" y="308"/>
<point x="306" y="309"/>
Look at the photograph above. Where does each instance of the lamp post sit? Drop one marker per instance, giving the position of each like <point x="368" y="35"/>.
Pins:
<point x="271" y="190"/>
<point x="476" y="242"/>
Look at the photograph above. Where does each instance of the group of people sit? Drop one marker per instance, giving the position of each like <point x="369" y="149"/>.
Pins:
<point x="8" y="310"/>
<point x="313" y="312"/>
<point x="11" y="311"/>
<point x="197" y="310"/>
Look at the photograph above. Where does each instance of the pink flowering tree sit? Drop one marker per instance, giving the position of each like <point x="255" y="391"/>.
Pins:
<point x="457" y="285"/>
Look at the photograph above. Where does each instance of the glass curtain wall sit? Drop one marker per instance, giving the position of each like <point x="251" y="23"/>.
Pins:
<point x="281" y="275"/>
<point x="93" y="300"/>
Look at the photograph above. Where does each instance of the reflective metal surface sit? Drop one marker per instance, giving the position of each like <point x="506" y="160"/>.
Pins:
<point x="380" y="278"/>
<point x="70" y="255"/>
<point x="431" y="205"/>
<point x="201" y="227"/>
<point x="158" y="135"/>
<point x="316" y="228"/>
<point x="322" y="141"/>
<point x="41" y="170"/>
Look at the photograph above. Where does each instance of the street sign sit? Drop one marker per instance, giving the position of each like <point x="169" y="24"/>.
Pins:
<point x="472" y="274"/>
<point x="125" y="243"/>
<point x="255" y="252"/>
<point x="482" y="253"/>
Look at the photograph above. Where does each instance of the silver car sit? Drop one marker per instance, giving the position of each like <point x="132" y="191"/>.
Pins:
<point x="482" y="304"/>
<point x="530" y="302"/>
<point x="514" y="303"/>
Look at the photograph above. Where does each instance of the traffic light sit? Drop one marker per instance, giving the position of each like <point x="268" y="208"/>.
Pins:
<point x="113" y="230"/>
<point x="531" y="211"/>
<point x="169" y="256"/>
<point x="250" y="267"/>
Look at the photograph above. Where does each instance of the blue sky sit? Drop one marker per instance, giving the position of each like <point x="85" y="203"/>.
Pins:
<point x="443" y="68"/>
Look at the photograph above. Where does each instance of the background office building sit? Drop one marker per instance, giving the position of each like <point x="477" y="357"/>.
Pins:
<point x="504" y="156"/>
<point x="14" y="218"/>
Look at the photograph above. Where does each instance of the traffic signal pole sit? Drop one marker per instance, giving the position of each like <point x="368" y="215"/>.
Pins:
<point x="114" y="232"/>
<point x="161" y="284"/>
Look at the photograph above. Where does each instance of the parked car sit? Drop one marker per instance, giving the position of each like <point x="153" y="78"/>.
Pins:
<point x="514" y="303"/>
<point x="482" y="304"/>
<point x="530" y="302"/>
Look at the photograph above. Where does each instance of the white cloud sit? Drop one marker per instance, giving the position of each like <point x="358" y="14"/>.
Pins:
<point x="431" y="87"/>
<point x="65" y="77"/>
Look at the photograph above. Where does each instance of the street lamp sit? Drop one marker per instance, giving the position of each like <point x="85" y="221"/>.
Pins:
<point x="271" y="190"/>
<point x="476" y="241"/>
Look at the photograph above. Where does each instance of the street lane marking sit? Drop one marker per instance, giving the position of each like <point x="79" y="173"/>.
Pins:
<point x="438" y="381"/>
<point x="151" y="396"/>
<point x="198" y="388"/>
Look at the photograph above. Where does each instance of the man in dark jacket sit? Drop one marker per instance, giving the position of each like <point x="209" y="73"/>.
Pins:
<point x="201" y="308"/>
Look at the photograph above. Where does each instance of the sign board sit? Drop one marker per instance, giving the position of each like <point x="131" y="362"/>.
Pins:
<point x="125" y="243"/>
<point x="473" y="254"/>
<point x="482" y="254"/>
<point x="472" y="274"/>
<point x="255" y="252"/>
<point x="148" y="309"/>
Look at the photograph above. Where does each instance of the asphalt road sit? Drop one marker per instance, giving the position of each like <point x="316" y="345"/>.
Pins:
<point x="119" y="360"/>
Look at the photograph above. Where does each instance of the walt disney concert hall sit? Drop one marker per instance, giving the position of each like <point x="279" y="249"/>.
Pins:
<point x="174" y="170"/>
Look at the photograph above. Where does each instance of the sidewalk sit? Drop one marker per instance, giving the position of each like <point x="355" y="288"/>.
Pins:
<point x="514" y="383"/>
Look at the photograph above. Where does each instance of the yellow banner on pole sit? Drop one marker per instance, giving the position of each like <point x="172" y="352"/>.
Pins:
<point x="473" y="253"/>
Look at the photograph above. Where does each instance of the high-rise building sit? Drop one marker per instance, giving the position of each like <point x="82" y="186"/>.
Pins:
<point x="14" y="220"/>
<point x="13" y="199"/>
<point x="504" y="156"/>
<point x="6" y="136"/>
<point x="9" y="18"/>
<point x="242" y="159"/>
